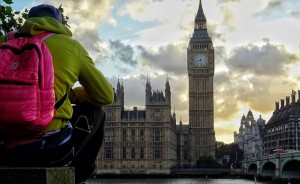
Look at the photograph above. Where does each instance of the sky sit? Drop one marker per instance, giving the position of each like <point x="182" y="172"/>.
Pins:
<point x="257" y="50"/>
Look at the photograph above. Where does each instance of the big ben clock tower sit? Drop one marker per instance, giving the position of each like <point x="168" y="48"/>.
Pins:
<point x="200" y="66"/>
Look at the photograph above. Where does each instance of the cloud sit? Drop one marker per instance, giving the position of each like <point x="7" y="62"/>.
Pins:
<point x="295" y="14"/>
<point x="92" y="10"/>
<point x="85" y="16"/>
<point x="226" y="1"/>
<point x="220" y="57"/>
<point x="122" y="52"/>
<point x="166" y="17"/>
<point x="91" y="41"/>
<point x="268" y="59"/>
<point x="271" y="7"/>
<point x="233" y="90"/>
<point x="170" y="58"/>
<point x="263" y="92"/>
<point x="277" y="7"/>
<point x="228" y="17"/>
<point x="273" y="4"/>
<point x="252" y="76"/>
<point x="225" y="91"/>
<point x="146" y="10"/>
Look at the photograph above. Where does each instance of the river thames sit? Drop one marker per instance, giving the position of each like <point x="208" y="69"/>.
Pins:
<point x="176" y="181"/>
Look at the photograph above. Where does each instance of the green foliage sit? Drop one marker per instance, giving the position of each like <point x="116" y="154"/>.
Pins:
<point x="11" y="20"/>
<point x="235" y="153"/>
<point x="8" y="1"/>
<point x="65" y="19"/>
<point x="207" y="162"/>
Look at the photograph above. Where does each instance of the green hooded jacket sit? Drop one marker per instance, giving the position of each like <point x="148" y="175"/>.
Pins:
<point x="71" y="63"/>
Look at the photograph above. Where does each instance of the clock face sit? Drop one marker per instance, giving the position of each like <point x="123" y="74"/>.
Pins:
<point x="200" y="60"/>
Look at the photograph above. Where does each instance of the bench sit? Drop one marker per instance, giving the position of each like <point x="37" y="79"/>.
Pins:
<point x="37" y="175"/>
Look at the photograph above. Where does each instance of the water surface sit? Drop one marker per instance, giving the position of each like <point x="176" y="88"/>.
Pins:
<point x="176" y="181"/>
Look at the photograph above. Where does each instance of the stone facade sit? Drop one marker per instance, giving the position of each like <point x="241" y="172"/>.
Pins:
<point x="250" y="136"/>
<point x="148" y="141"/>
<point x="282" y="130"/>
<point x="200" y="66"/>
<point x="139" y="141"/>
<point x="183" y="145"/>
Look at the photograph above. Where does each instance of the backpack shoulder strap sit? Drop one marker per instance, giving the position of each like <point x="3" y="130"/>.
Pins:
<point x="44" y="36"/>
<point x="60" y="101"/>
<point x="15" y="34"/>
<point x="10" y="36"/>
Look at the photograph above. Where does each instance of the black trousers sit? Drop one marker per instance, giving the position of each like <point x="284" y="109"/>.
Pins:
<point x="79" y="152"/>
<point x="88" y="122"/>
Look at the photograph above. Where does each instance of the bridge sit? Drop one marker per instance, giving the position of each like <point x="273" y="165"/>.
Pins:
<point x="276" y="166"/>
<point x="200" y="171"/>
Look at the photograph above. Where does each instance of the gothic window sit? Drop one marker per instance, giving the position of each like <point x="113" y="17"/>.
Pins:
<point x="142" y="153"/>
<point x="124" y="152"/>
<point x="200" y="26"/>
<point x="108" y="152"/>
<point x="157" y="124"/>
<point x="157" y="115"/>
<point x="133" y="152"/>
<point x="108" y="135"/>
<point x="142" y="135"/>
<point x="132" y="135"/>
<point x="185" y="154"/>
<point x="157" y="153"/>
<point x="109" y="115"/>
<point x="124" y="136"/>
<point x="157" y="134"/>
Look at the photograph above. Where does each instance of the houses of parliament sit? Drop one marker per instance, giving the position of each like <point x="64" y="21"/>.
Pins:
<point x="149" y="140"/>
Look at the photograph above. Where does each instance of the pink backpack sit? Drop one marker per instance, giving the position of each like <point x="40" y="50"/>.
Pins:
<point x="26" y="86"/>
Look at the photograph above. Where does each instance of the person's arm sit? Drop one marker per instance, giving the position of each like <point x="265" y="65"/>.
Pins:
<point x="95" y="87"/>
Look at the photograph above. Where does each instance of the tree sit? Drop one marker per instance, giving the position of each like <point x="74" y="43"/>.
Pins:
<point x="207" y="162"/>
<point x="235" y="153"/>
<point x="12" y="20"/>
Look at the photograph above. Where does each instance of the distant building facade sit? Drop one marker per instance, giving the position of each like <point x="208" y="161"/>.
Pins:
<point x="139" y="141"/>
<point x="148" y="141"/>
<point x="250" y="136"/>
<point x="282" y="130"/>
<point x="200" y="66"/>
<point x="183" y="145"/>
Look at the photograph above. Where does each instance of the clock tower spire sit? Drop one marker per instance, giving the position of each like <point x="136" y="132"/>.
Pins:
<point x="200" y="66"/>
<point x="200" y="14"/>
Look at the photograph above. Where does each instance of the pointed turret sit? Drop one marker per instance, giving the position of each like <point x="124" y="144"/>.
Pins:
<point x="174" y="114"/>
<point x="250" y="115"/>
<point x="168" y="92"/>
<point x="200" y="14"/>
<point x="200" y="29"/>
<point x="120" y="94"/>
<point x="148" y="92"/>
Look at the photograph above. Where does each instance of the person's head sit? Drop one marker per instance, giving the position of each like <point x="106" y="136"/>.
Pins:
<point x="45" y="10"/>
